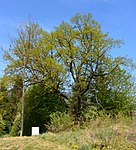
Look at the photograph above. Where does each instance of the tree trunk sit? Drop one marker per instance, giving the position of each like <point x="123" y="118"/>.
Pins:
<point x="22" y="112"/>
<point x="79" y="112"/>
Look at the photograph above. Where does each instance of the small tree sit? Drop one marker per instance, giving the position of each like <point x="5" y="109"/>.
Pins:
<point x="19" y="56"/>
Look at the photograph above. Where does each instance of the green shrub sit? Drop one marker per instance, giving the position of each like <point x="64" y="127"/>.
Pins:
<point x="2" y="126"/>
<point x="60" y="121"/>
<point x="15" y="130"/>
<point x="90" y="113"/>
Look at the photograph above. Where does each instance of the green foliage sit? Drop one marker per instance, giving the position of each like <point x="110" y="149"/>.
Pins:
<point x="2" y="126"/>
<point x="73" y="62"/>
<point x="40" y="102"/>
<point x="60" y="121"/>
<point x="90" y="112"/>
<point x="111" y="94"/>
<point x="11" y="93"/>
<point x="15" y="130"/>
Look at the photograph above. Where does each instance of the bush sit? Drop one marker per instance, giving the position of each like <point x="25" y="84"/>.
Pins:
<point x="2" y="126"/>
<point x="60" y="121"/>
<point x="15" y="130"/>
<point x="90" y="113"/>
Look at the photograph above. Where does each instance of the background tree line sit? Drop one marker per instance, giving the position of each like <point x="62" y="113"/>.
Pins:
<point x="69" y="69"/>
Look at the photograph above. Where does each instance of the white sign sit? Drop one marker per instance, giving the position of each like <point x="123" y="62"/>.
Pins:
<point x="35" y="130"/>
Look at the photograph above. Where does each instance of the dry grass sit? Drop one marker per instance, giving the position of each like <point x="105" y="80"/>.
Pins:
<point x="28" y="143"/>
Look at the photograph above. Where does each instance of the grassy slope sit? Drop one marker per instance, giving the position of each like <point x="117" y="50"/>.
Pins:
<point x="100" y="134"/>
<point x="28" y="143"/>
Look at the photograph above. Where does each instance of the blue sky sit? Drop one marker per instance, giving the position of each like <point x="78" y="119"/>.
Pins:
<point x="118" y="17"/>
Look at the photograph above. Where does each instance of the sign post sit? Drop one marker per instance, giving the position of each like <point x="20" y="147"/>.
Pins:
<point x="35" y="130"/>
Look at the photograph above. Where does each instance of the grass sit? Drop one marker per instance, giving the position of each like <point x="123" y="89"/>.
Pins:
<point x="101" y="134"/>
<point x="28" y="143"/>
